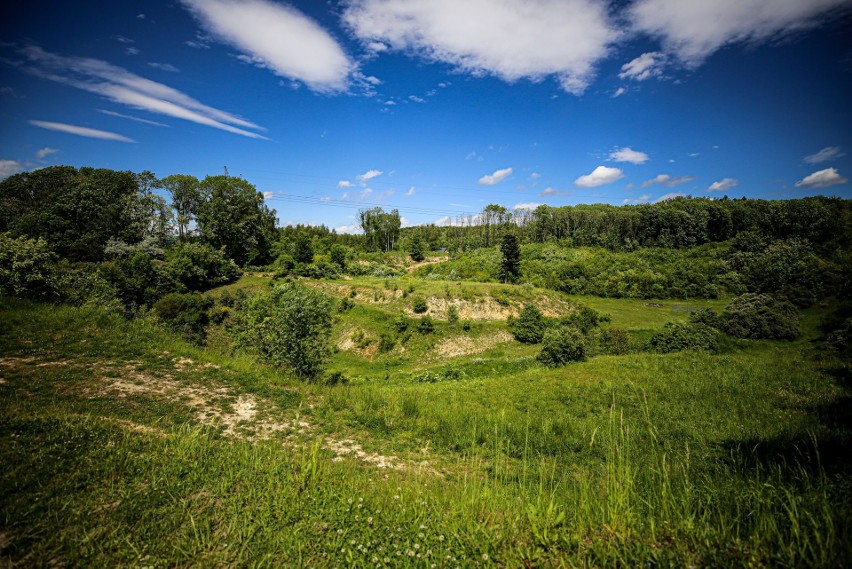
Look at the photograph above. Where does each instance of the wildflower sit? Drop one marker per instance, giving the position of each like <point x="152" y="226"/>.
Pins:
<point x="416" y="546"/>
<point x="370" y="520"/>
<point x="340" y="532"/>
<point x="485" y="557"/>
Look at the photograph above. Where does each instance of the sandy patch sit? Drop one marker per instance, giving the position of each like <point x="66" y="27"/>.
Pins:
<point x="458" y="346"/>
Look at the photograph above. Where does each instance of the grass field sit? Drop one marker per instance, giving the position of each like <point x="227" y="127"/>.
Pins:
<point x="122" y="445"/>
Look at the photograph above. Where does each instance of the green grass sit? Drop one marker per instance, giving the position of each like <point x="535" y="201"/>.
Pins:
<point x="737" y="459"/>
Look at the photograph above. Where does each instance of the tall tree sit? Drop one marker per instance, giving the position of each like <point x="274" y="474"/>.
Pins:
<point x="510" y="266"/>
<point x="186" y="198"/>
<point x="381" y="229"/>
<point x="233" y="216"/>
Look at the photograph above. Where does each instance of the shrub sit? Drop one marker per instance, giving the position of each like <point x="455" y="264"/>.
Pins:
<point x="199" y="267"/>
<point x="678" y="336"/>
<point x="336" y="378"/>
<point x="586" y="319"/>
<point x="562" y="345"/>
<point x="529" y="326"/>
<point x="338" y="254"/>
<point x="706" y="316"/>
<point x="386" y="343"/>
<point x="346" y="304"/>
<point x="616" y="341"/>
<point x="184" y="313"/>
<point x="452" y="314"/>
<point x="289" y="326"/>
<point x="27" y="268"/>
<point x="761" y="316"/>
<point x="426" y="325"/>
<point x="401" y="323"/>
<point x="419" y="306"/>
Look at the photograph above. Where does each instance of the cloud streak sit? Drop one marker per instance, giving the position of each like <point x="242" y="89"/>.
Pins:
<point x="81" y="131"/>
<point x="495" y="178"/>
<point x="123" y="87"/>
<point x="822" y="179"/>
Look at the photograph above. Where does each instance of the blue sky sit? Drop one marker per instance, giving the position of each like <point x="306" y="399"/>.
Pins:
<point x="438" y="107"/>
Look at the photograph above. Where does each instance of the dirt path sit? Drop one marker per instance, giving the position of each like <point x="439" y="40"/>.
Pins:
<point x="427" y="262"/>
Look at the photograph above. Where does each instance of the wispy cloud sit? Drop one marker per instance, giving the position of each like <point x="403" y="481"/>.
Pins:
<point x="669" y="196"/>
<point x="667" y="181"/>
<point x="649" y="64"/>
<point x="627" y="154"/>
<point x="368" y="175"/>
<point x="131" y="118"/>
<point x="824" y="155"/>
<point x="10" y="168"/>
<point x="723" y="185"/>
<point x="495" y="178"/>
<point x="600" y="176"/>
<point x="822" y="179"/>
<point x="279" y="38"/>
<point x="692" y="31"/>
<point x="411" y="191"/>
<point x="45" y="152"/>
<point x="511" y="40"/>
<point x="526" y="205"/>
<point x="81" y="131"/>
<point x="345" y="184"/>
<point x="123" y="87"/>
<point x="638" y="200"/>
<point x="164" y="67"/>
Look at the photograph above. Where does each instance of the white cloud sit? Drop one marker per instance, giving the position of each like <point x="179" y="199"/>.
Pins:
<point x="627" y="154"/>
<point x="504" y="38"/>
<point x="349" y="229"/>
<point x="600" y="176"/>
<point x="824" y="155"/>
<point x="164" y="67"/>
<point x="132" y="118"/>
<point x="121" y="86"/>
<point x="647" y="65"/>
<point x="44" y="152"/>
<point x="670" y="196"/>
<point x="619" y="92"/>
<point x="365" y="193"/>
<point x="549" y="192"/>
<point x="9" y="168"/>
<point x="277" y="37"/>
<point x="694" y="30"/>
<point x="416" y="99"/>
<point x="411" y="191"/>
<point x="526" y="205"/>
<point x="132" y="51"/>
<point x="535" y="176"/>
<point x="345" y="184"/>
<point x="822" y="179"/>
<point x="268" y="195"/>
<point x="368" y="175"/>
<point x="81" y="131"/>
<point x="495" y="178"/>
<point x="638" y="200"/>
<point x="723" y="185"/>
<point x="667" y="181"/>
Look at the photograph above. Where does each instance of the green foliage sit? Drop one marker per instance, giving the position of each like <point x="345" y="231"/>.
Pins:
<point x="303" y="248"/>
<point x="289" y="326"/>
<point x="76" y="211"/>
<point x="386" y="343"/>
<point x="186" y="199"/>
<point x="529" y="326"/>
<point x="452" y="314"/>
<point x="615" y="341"/>
<point x="232" y="216"/>
<point x="679" y="336"/>
<point x="27" y="268"/>
<point x="419" y="305"/>
<point x="139" y="280"/>
<point x="346" y="304"/>
<point x="510" y="266"/>
<point x="585" y="319"/>
<point x="338" y="255"/>
<point x="381" y="229"/>
<point x="199" y="267"/>
<point x="706" y="316"/>
<point x="761" y="316"/>
<point x="401" y="323"/>
<point x="562" y="345"/>
<point x="185" y="313"/>
<point x="416" y="248"/>
<point x="426" y="326"/>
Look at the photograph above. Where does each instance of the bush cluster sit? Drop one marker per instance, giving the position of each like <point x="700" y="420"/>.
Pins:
<point x="761" y="316"/>
<point x="679" y="336"/>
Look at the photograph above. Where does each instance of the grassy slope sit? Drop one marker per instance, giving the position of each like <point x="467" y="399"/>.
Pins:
<point x="677" y="459"/>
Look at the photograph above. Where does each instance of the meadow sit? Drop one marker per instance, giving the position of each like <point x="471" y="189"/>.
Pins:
<point x="125" y="445"/>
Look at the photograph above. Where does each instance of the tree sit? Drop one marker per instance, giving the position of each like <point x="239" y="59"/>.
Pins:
<point x="303" y="249"/>
<point x="761" y="316"/>
<point x="290" y="327"/>
<point x="381" y="229"/>
<point x="338" y="255"/>
<point x="186" y="198"/>
<point x="233" y="216"/>
<point x="562" y="345"/>
<point x="27" y="268"/>
<point x="510" y="267"/>
<point x="416" y="248"/>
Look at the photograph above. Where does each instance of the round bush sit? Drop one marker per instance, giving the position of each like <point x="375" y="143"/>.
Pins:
<point x="529" y="326"/>
<point x="678" y="336"/>
<point x="761" y="316"/>
<point x="561" y="346"/>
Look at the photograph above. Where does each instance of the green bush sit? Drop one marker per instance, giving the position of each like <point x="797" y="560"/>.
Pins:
<point x="426" y="326"/>
<point x="27" y="268"/>
<point x="199" y="267"/>
<point x="585" y="319"/>
<point x="761" y="316"/>
<point x="386" y="343"/>
<point x="562" y="345"/>
<point x="452" y="314"/>
<point x="185" y="313"/>
<point x="615" y="341"/>
<point x="529" y="326"/>
<point x="289" y="326"/>
<point x="678" y="336"/>
<point x="706" y="316"/>
<point x="419" y="306"/>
